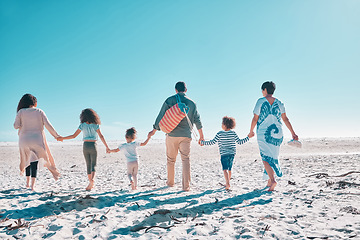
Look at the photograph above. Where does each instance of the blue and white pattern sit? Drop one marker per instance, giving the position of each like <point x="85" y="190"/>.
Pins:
<point x="227" y="142"/>
<point x="269" y="132"/>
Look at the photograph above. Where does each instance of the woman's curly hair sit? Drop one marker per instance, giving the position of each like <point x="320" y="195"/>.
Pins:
<point x="90" y="116"/>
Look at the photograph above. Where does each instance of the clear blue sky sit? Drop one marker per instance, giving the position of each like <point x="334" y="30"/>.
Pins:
<point x="123" y="58"/>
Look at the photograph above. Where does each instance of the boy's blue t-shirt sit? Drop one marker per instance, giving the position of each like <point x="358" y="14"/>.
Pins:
<point x="89" y="131"/>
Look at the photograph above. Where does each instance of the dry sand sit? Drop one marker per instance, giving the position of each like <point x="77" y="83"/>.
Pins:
<point x="302" y="207"/>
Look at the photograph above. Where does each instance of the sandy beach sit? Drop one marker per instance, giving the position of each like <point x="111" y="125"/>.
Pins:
<point x="317" y="198"/>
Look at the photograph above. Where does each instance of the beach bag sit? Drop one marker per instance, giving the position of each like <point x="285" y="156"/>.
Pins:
<point x="173" y="116"/>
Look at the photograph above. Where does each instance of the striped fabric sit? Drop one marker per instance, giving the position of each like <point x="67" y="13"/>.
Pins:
<point x="171" y="118"/>
<point x="227" y="141"/>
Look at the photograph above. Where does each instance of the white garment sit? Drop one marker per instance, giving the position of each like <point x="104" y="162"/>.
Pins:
<point x="129" y="150"/>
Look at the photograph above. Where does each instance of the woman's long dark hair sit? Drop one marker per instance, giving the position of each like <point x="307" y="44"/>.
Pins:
<point x="27" y="101"/>
<point x="90" y="116"/>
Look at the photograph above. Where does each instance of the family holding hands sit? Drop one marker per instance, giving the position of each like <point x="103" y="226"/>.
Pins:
<point x="268" y="113"/>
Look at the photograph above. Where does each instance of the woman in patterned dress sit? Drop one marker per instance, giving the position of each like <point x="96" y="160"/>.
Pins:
<point x="268" y="113"/>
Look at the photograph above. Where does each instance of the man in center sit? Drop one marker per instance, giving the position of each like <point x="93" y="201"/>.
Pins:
<point x="179" y="139"/>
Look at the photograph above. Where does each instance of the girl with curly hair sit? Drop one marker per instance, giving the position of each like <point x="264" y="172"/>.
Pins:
<point x="90" y="126"/>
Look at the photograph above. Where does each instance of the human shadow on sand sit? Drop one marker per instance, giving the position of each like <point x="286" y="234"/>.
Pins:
<point x="193" y="212"/>
<point x="56" y="203"/>
<point x="16" y="193"/>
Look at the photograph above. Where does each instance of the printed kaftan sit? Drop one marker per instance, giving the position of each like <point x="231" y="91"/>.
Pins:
<point x="269" y="132"/>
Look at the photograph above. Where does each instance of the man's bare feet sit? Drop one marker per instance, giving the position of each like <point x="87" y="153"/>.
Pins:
<point x="90" y="186"/>
<point x="227" y="186"/>
<point x="272" y="187"/>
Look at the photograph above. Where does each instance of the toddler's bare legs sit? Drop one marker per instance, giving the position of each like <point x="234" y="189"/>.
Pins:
<point x="271" y="182"/>
<point x="133" y="187"/>
<point x="135" y="181"/>
<point x="227" y="179"/>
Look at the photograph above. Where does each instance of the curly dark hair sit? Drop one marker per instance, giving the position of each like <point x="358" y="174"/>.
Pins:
<point x="229" y="122"/>
<point x="27" y="101"/>
<point x="90" y="116"/>
<point x="130" y="133"/>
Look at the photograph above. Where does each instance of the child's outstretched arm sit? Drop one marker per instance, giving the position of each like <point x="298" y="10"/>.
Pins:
<point x="113" y="150"/>
<point x="146" y="141"/>
<point x="211" y="142"/>
<point x="241" y="141"/>
<point x="70" y="136"/>
<point x="103" y="139"/>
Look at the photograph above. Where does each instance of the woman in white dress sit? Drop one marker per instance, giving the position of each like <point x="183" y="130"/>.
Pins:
<point x="32" y="142"/>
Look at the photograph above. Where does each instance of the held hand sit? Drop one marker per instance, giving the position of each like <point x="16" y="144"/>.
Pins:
<point x="59" y="139"/>
<point x="251" y="134"/>
<point x="108" y="150"/>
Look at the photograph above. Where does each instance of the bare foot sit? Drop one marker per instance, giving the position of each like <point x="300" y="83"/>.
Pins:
<point x="268" y="183"/>
<point x="54" y="172"/>
<point x="272" y="187"/>
<point x="227" y="186"/>
<point x="133" y="187"/>
<point x="90" y="186"/>
<point x="27" y="185"/>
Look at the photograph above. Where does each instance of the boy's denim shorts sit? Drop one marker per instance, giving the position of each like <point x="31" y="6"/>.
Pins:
<point x="227" y="161"/>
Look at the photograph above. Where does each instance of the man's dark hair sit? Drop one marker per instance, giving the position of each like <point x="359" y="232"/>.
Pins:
<point x="269" y="86"/>
<point x="229" y="122"/>
<point x="180" y="86"/>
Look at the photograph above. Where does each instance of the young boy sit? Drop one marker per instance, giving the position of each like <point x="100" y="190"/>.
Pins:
<point x="227" y="140"/>
<point x="131" y="155"/>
